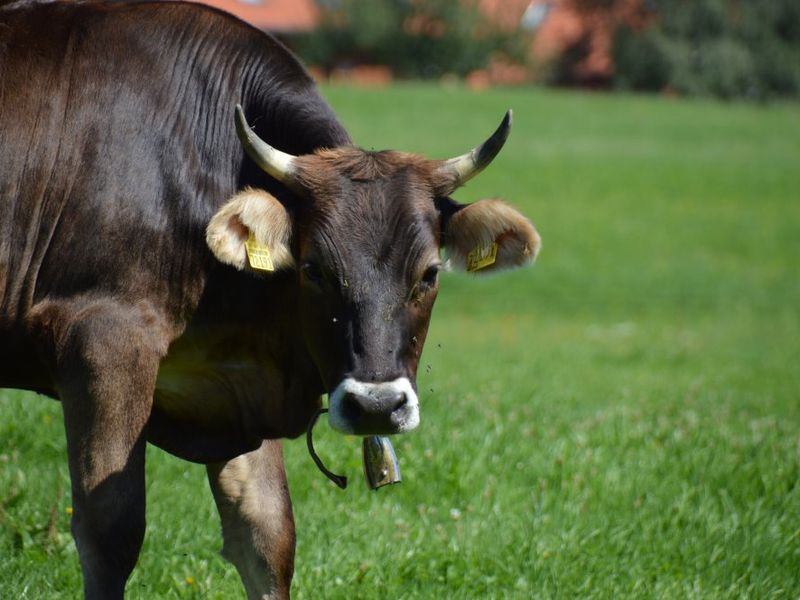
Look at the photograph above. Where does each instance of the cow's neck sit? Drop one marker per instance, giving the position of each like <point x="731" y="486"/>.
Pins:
<point x="240" y="372"/>
<point x="227" y="383"/>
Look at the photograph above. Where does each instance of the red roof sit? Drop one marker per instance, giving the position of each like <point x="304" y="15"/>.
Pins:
<point x="283" y="16"/>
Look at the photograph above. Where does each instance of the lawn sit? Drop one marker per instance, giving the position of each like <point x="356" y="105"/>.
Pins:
<point x="620" y="421"/>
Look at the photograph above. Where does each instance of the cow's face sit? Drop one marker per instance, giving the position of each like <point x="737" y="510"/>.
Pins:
<point x="365" y="244"/>
<point x="368" y="258"/>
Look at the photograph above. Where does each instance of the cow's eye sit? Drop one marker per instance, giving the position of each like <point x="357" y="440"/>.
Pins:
<point x="430" y="276"/>
<point x="311" y="272"/>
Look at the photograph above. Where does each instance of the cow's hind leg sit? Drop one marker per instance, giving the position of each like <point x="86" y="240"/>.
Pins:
<point x="106" y="375"/>
<point x="252" y="497"/>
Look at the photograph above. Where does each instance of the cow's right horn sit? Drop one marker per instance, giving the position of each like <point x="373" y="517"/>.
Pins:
<point x="277" y="164"/>
<point x="463" y="168"/>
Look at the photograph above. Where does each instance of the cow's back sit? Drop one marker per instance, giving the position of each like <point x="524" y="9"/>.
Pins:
<point x="95" y="165"/>
<point x="116" y="147"/>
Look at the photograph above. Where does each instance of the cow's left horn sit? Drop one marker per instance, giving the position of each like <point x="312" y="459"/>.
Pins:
<point x="279" y="165"/>
<point x="463" y="168"/>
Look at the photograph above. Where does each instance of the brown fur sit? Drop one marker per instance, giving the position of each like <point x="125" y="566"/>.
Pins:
<point x="252" y="497"/>
<point x="485" y="222"/>
<point x="250" y="211"/>
<point x="357" y="165"/>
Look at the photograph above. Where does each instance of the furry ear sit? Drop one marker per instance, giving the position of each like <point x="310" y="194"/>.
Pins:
<point x="488" y="236"/>
<point x="251" y="231"/>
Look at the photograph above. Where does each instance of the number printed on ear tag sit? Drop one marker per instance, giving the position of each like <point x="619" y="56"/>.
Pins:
<point x="259" y="257"/>
<point x="481" y="257"/>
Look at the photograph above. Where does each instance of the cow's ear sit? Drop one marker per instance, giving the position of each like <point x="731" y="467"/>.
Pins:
<point x="252" y="231"/>
<point x="487" y="236"/>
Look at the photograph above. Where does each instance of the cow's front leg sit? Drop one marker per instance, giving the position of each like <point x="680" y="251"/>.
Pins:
<point x="106" y="376"/>
<point x="252" y="497"/>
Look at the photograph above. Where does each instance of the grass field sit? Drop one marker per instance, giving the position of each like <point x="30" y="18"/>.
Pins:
<point x="622" y="421"/>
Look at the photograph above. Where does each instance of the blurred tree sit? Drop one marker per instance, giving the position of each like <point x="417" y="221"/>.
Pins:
<point x="724" y="48"/>
<point x="414" y="38"/>
<point x="587" y="38"/>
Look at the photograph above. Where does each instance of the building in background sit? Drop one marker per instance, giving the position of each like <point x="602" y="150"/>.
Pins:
<point x="571" y="41"/>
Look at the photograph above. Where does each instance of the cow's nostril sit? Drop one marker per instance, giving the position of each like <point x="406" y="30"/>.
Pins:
<point x="351" y="410"/>
<point x="399" y="402"/>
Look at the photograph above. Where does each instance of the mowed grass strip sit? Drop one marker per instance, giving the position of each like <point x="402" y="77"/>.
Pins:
<point x="619" y="422"/>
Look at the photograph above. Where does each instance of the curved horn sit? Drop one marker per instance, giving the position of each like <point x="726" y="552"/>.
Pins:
<point x="277" y="164"/>
<point x="463" y="168"/>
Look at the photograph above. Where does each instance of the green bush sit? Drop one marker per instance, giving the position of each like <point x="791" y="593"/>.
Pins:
<point x="420" y="40"/>
<point x="727" y="67"/>
<point x="777" y="67"/>
<point x="641" y="60"/>
<point x="724" y="48"/>
<point x="693" y="19"/>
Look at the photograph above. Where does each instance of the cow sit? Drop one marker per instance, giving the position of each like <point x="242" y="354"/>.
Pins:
<point x="178" y="271"/>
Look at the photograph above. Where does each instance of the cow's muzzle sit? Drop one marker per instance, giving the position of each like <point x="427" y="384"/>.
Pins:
<point x="382" y="408"/>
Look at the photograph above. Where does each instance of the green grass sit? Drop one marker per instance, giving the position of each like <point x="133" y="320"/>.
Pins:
<point x="622" y="421"/>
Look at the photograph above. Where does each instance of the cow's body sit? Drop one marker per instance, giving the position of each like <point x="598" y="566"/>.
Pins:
<point x="111" y="169"/>
<point x="116" y="150"/>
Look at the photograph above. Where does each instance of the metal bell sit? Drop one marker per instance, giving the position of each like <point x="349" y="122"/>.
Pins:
<point x="380" y="462"/>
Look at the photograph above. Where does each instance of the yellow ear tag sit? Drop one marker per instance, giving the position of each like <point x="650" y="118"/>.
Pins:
<point x="259" y="257"/>
<point x="481" y="257"/>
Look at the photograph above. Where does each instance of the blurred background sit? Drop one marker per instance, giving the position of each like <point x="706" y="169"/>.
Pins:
<point x="723" y="48"/>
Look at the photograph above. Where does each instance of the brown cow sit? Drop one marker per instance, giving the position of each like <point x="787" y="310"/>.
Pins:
<point x="158" y="304"/>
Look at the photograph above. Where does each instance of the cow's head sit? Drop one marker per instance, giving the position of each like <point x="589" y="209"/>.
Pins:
<point x="365" y="242"/>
